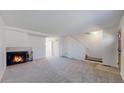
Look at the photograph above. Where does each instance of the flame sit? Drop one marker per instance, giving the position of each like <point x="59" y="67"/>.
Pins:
<point x="18" y="59"/>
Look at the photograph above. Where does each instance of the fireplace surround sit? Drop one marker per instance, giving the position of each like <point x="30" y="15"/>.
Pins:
<point x="18" y="57"/>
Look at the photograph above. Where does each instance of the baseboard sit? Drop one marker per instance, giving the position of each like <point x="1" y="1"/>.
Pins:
<point x="72" y="58"/>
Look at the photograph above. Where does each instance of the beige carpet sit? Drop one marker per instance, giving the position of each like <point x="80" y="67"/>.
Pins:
<point x="58" y="70"/>
<point x="108" y="69"/>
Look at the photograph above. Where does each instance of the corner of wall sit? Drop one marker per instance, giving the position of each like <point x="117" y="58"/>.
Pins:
<point x="2" y="73"/>
<point x="122" y="76"/>
<point x="2" y="52"/>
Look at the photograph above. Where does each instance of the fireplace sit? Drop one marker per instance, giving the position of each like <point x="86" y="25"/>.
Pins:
<point x="19" y="57"/>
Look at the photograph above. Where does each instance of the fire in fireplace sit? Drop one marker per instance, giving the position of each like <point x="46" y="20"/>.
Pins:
<point x="19" y="57"/>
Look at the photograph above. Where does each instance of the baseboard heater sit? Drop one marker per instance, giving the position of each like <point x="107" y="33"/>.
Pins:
<point x="93" y="59"/>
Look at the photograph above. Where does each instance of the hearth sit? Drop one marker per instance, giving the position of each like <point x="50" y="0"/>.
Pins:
<point x="19" y="57"/>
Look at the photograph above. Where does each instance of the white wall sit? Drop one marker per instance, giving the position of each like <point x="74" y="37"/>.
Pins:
<point x="75" y="46"/>
<point x="22" y="39"/>
<point x="102" y="45"/>
<point x="38" y="45"/>
<point x="63" y="46"/>
<point x="110" y="46"/>
<point x="2" y="49"/>
<point x="56" y="47"/>
<point x="72" y="49"/>
<point x="122" y="46"/>
<point x="16" y="39"/>
<point x="92" y="42"/>
<point x="62" y="50"/>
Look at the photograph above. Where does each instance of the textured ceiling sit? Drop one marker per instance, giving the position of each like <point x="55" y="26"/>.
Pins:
<point x="62" y="22"/>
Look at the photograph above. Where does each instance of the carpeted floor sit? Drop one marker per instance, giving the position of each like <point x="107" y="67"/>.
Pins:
<point x="58" y="70"/>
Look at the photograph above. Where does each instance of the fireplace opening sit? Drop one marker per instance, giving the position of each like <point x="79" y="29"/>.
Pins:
<point x="19" y="57"/>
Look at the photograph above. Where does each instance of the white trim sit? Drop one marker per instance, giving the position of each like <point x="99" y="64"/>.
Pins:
<point x="26" y="31"/>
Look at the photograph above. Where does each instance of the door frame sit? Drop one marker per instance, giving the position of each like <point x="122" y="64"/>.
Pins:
<point x="119" y="49"/>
